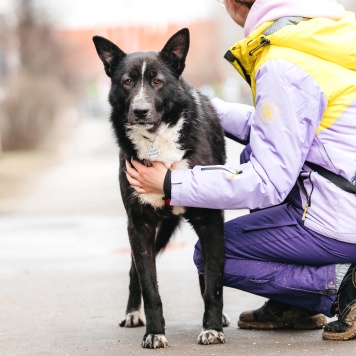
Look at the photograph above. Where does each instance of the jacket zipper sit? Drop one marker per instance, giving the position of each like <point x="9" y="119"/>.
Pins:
<point x="231" y="58"/>
<point x="308" y="196"/>
<point x="264" y="42"/>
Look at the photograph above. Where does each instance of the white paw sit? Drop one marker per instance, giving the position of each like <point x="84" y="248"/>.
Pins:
<point x="225" y="319"/>
<point x="208" y="337"/>
<point x="132" y="320"/>
<point x="154" y="341"/>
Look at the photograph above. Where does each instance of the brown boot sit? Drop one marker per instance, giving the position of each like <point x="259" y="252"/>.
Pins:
<point x="345" y="307"/>
<point x="277" y="315"/>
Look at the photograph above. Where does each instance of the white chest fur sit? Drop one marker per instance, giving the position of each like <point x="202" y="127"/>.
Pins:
<point x="165" y="140"/>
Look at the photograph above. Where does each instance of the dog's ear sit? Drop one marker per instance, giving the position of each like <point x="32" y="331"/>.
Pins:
<point x="109" y="53"/>
<point x="175" y="51"/>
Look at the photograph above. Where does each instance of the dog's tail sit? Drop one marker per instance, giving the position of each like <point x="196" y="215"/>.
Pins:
<point x="165" y="231"/>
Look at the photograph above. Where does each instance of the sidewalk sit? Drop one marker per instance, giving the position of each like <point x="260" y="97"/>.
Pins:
<point x="64" y="262"/>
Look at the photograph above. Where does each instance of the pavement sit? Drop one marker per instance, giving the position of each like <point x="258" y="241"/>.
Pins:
<point x="64" y="261"/>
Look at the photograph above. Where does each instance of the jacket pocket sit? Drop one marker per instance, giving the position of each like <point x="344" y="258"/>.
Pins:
<point x="268" y="226"/>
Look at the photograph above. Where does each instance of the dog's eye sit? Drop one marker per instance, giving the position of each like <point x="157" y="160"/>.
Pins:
<point x="128" y="81"/>
<point x="157" y="81"/>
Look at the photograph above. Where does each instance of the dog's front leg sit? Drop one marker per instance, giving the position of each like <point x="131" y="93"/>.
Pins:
<point x="133" y="316"/>
<point x="209" y="225"/>
<point x="142" y="237"/>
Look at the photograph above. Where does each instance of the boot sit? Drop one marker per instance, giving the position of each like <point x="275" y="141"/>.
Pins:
<point x="345" y="307"/>
<point x="277" y="315"/>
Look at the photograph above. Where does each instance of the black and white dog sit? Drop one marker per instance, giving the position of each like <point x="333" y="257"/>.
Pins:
<point x="156" y="115"/>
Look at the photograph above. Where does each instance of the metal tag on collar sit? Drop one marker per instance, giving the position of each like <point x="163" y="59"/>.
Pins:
<point x="153" y="153"/>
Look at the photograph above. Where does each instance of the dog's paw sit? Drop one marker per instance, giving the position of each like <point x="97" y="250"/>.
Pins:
<point x="154" y="341"/>
<point x="208" y="337"/>
<point x="225" y="319"/>
<point x="132" y="320"/>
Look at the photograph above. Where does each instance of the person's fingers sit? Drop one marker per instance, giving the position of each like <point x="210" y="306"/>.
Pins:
<point x="128" y="166"/>
<point x="140" y="190"/>
<point x="158" y="164"/>
<point x="146" y="180"/>
<point x="133" y="181"/>
<point x="132" y="171"/>
<point x="138" y="166"/>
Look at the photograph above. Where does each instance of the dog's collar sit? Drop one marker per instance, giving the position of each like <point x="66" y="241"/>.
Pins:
<point x="167" y="203"/>
<point x="149" y="139"/>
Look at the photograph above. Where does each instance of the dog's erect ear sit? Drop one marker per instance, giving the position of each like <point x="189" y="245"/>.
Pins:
<point x="109" y="53"/>
<point x="175" y="51"/>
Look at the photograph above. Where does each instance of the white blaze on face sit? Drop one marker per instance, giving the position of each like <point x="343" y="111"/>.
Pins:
<point x="144" y="65"/>
<point x="141" y="95"/>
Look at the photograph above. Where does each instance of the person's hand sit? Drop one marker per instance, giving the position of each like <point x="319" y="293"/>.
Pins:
<point x="146" y="179"/>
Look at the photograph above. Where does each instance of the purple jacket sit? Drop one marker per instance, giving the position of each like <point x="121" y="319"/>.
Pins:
<point x="301" y="114"/>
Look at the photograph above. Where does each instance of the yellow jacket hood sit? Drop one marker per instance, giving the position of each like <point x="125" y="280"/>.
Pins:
<point x="315" y="36"/>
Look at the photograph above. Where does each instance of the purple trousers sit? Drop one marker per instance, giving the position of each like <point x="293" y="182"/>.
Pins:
<point x="272" y="254"/>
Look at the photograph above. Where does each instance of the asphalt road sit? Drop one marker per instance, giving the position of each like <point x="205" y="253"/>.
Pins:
<point x="64" y="261"/>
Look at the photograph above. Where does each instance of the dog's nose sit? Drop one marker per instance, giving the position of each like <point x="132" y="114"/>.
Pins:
<point x="141" y="111"/>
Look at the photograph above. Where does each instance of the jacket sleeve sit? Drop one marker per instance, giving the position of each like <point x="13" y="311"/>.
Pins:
<point x="235" y="118"/>
<point x="289" y="107"/>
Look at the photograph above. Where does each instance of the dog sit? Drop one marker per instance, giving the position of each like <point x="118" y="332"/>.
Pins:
<point x="157" y="115"/>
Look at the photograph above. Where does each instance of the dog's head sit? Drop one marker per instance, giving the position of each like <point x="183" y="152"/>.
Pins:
<point x="145" y="85"/>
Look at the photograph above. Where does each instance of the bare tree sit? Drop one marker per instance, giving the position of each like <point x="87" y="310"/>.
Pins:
<point x="39" y="88"/>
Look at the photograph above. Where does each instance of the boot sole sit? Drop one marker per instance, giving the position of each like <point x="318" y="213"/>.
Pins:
<point x="347" y="335"/>
<point x="314" y="322"/>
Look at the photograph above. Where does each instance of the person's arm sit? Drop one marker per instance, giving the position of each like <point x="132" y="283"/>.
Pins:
<point x="235" y="118"/>
<point x="289" y="107"/>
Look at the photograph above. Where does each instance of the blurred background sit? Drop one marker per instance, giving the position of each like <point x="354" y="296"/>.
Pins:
<point x="52" y="83"/>
<point x="64" y="251"/>
<point x="51" y="77"/>
<point x="50" y="74"/>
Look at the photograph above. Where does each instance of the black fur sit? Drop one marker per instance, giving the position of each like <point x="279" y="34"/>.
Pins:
<point x="164" y="98"/>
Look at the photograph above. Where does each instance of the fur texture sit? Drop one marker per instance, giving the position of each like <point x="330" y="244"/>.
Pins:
<point x="156" y="115"/>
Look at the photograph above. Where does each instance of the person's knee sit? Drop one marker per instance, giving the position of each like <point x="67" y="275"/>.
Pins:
<point x="198" y="258"/>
